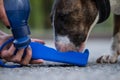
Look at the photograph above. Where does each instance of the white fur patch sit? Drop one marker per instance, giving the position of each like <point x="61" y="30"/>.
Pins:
<point x="53" y="24"/>
<point x="93" y="25"/>
<point x="63" y="39"/>
<point x="53" y="19"/>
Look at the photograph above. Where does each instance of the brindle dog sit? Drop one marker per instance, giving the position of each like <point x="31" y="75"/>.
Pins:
<point x="73" y="21"/>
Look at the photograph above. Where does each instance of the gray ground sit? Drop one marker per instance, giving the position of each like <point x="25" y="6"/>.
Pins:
<point x="55" y="71"/>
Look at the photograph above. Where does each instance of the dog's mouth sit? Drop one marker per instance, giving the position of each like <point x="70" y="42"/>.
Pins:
<point x="69" y="47"/>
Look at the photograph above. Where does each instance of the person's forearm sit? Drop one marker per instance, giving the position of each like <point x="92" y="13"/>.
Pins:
<point x="3" y="16"/>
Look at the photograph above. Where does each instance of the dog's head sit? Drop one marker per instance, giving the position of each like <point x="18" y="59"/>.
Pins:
<point x="72" y="21"/>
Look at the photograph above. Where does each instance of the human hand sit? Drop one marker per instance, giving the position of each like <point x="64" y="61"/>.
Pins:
<point x="8" y="52"/>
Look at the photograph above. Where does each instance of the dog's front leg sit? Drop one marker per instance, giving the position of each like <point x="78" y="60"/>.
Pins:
<point x="115" y="44"/>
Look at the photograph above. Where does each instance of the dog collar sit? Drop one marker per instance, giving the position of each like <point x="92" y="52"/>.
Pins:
<point x="104" y="9"/>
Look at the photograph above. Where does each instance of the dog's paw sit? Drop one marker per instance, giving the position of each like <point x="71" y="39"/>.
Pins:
<point x="107" y="59"/>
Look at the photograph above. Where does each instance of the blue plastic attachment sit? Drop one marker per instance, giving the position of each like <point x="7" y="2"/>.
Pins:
<point x="43" y="52"/>
<point x="40" y="51"/>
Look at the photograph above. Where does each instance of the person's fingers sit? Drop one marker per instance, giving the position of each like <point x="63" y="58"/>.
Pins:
<point x="39" y="61"/>
<point x="27" y="57"/>
<point x="8" y="53"/>
<point x="18" y="57"/>
<point x="38" y="40"/>
<point x="3" y="16"/>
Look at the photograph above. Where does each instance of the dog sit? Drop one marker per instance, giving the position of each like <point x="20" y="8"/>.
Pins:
<point x="73" y="20"/>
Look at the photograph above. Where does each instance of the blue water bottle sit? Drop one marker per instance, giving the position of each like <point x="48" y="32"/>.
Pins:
<point x="18" y="13"/>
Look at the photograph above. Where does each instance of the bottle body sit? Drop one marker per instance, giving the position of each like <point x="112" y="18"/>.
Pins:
<point x="18" y="13"/>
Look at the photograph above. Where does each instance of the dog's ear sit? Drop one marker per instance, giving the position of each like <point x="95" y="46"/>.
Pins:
<point x="104" y="9"/>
